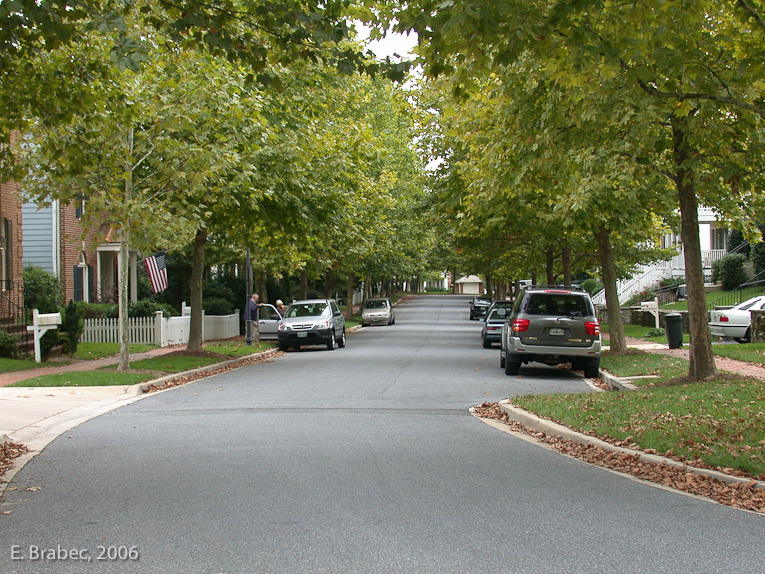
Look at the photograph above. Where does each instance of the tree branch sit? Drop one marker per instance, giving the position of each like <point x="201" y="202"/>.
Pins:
<point x="752" y="12"/>
<point x="735" y="102"/>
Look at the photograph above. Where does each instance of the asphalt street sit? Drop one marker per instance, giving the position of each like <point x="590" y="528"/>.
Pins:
<point x="358" y="460"/>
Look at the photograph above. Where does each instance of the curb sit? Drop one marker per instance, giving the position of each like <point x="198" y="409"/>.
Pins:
<point x="536" y="423"/>
<point x="614" y="383"/>
<point x="141" y="388"/>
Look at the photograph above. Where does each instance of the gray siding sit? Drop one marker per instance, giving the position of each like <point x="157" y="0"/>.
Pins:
<point x="38" y="236"/>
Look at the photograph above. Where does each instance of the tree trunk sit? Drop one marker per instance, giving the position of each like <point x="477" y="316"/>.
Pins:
<point x="304" y="283"/>
<point x="197" y="271"/>
<point x="349" y="297"/>
<point x="261" y="286"/>
<point x="124" y="331"/>
<point x="550" y="267"/>
<point x="618" y="344"/>
<point x="124" y="262"/>
<point x="702" y="361"/>
<point x="566" y="261"/>
<point x="330" y="280"/>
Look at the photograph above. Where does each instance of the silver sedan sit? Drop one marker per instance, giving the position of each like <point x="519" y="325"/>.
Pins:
<point x="378" y="311"/>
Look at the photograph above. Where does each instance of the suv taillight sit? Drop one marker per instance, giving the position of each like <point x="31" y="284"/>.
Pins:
<point x="592" y="328"/>
<point x="520" y="325"/>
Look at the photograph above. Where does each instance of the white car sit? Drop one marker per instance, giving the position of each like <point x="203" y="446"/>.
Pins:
<point x="734" y="322"/>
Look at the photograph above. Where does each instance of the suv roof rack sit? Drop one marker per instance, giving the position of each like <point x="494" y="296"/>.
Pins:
<point x="566" y="287"/>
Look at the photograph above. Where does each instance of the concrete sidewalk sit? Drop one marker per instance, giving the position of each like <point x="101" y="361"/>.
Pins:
<point x="26" y="412"/>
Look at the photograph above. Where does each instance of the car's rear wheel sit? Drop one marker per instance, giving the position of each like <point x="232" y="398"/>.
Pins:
<point x="501" y="361"/>
<point x="486" y="343"/>
<point x="341" y="342"/>
<point x="512" y="366"/>
<point x="592" y="368"/>
<point x="746" y="338"/>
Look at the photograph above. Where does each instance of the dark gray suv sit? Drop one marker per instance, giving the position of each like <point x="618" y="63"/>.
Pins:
<point x="551" y="325"/>
<point x="312" y="322"/>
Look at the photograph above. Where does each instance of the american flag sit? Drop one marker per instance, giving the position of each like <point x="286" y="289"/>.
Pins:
<point x="156" y="266"/>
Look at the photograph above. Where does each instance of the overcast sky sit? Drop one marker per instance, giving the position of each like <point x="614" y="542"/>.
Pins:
<point x="400" y="44"/>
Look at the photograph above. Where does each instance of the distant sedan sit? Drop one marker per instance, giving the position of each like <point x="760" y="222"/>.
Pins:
<point x="734" y="322"/>
<point x="492" y="326"/>
<point x="378" y="311"/>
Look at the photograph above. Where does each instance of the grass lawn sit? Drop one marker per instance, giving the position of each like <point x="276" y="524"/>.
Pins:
<point x="750" y="353"/>
<point x="665" y="367"/>
<point x="714" y="296"/>
<point x="11" y="365"/>
<point x="719" y="422"/>
<point x="169" y="364"/>
<point x="239" y="348"/>
<point x="91" y="351"/>
<point x="85" y="379"/>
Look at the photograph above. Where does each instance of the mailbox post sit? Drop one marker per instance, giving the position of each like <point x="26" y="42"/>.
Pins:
<point x="41" y="324"/>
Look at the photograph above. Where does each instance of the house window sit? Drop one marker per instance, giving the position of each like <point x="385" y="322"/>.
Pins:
<point x="83" y="280"/>
<point x="79" y="206"/>
<point x="670" y="240"/>
<point x="718" y="239"/>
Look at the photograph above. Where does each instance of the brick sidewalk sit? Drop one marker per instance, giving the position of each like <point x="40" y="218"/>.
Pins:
<point x="81" y="365"/>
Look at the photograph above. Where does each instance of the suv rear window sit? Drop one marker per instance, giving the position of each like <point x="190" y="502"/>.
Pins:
<point x="563" y="305"/>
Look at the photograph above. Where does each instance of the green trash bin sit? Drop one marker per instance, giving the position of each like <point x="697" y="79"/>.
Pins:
<point x="674" y="323"/>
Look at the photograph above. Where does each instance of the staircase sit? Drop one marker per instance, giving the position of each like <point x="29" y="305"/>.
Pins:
<point x="13" y="316"/>
<point x="647" y="276"/>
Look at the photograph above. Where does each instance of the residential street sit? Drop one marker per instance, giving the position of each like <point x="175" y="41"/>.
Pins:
<point x="358" y="460"/>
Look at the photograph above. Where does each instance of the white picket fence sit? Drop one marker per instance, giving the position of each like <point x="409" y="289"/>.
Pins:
<point x="159" y="330"/>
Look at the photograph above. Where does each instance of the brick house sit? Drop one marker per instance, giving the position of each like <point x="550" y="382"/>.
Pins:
<point x="11" y="251"/>
<point x="86" y="265"/>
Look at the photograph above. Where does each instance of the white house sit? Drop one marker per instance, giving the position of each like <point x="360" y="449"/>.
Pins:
<point x="713" y="240"/>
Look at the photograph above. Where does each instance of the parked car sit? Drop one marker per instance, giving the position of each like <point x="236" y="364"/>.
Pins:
<point x="478" y="307"/>
<point x="551" y="326"/>
<point x="498" y="303"/>
<point x="378" y="311"/>
<point x="312" y="322"/>
<point x="268" y="321"/>
<point x="491" y="332"/>
<point x="735" y="322"/>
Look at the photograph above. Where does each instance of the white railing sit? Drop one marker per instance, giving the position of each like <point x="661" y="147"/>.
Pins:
<point x="159" y="330"/>
<point x="648" y="277"/>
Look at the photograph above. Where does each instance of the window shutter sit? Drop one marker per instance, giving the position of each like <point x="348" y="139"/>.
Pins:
<point x="77" y="283"/>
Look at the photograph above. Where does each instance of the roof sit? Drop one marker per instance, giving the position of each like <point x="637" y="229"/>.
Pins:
<point x="469" y="279"/>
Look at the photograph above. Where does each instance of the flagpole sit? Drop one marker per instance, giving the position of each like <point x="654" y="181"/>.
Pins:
<point x="247" y="321"/>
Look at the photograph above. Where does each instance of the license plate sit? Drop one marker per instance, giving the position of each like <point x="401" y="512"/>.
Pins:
<point x="557" y="332"/>
<point x="302" y="335"/>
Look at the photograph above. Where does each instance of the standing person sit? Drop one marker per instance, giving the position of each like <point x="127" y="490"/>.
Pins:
<point x="251" y="315"/>
<point x="252" y="307"/>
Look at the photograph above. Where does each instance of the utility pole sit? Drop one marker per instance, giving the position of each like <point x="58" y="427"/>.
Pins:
<point x="247" y="321"/>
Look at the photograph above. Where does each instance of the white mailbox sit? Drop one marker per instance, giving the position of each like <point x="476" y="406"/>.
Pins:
<point x="41" y="324"/>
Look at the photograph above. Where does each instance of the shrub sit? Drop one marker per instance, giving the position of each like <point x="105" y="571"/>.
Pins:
<point x="143" y="308"/>
<point x="217" y="306"/>
<point x="42" y="290"/>
<point x="71" y="327"/>
<point x="656" y="332"/>
<point x="758" y="258"/>
<point x="9" y="348"/>
<point x="730" y="271"/>
<point x="592" y="286"/>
